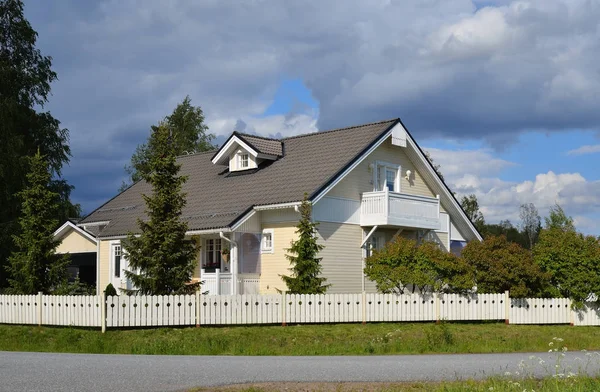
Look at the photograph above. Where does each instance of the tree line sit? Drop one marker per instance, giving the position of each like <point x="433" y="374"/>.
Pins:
<point x="554" y="260"/>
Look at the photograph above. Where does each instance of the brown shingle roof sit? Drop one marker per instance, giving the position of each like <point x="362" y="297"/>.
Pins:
<point x="216" y="198"/>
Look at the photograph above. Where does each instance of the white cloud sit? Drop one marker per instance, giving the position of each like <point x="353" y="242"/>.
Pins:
<point x="447" y="67"/>
<point x="589" y="149"/>
<point x="479" y="172"/>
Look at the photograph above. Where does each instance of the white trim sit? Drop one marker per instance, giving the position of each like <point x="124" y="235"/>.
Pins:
<point x="243" y="220"/>
<point x="111" y="259"/>
<point x="278" y="206"/>
<point x="353" y="166"/>
<point x="368" y="236"/>
<point x="68" y="224"/>
<point x="263" y="248"/>
<point x="224" y="151"/>
<point x="208" y="231"/>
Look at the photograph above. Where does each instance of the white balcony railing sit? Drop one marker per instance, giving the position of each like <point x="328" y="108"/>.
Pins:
<point x="386" y="208"/>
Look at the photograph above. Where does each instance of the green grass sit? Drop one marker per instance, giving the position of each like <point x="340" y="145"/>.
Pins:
<point x="331" y="339"/>
<point x="575" y="384"/>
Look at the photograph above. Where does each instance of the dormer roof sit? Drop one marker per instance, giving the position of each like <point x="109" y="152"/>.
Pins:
<point x="258" y="147"/>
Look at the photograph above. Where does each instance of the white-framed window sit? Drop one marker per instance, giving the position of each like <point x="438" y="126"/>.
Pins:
<point x="267" y="242"/>
<point x="212" y="254"/>
<point x="387" y="177"/>
<point x="243" y="161"/>
<point x="116" y="258"/>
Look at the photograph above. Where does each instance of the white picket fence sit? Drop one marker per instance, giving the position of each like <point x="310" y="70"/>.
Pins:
<point x="181" y="310"/>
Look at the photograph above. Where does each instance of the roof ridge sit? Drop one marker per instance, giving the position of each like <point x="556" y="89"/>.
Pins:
<point x="259" y="137"/>
<point x="338" y="129"/>
<point x="195" y="153"/>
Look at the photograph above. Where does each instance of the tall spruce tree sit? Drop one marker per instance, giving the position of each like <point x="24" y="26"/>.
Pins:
<point x="35" y="266"/>
<point x="306" y="266"/>
<point x="188" y="133"/>
<point x="25" y="79"/>
<point x="161" y="261"/>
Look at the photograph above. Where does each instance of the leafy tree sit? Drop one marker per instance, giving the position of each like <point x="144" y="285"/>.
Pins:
<point x="426" y="267"/>
<point x="501" y="265"/>
<point x="571" y="259"/>
<point x="188" y="134"/>
<point x="162" y="257"/>
<point x="306" y="266"/>
<point x="471" y="206"/>
<point x="558" y="219"/>
<point x="506" y="229"/>
<point x="530" y="222"/>
<point x="26" y="76"/>
<point x="35" y="266"/>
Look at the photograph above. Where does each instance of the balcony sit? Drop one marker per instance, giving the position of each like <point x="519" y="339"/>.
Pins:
<point x="386" y="208"/>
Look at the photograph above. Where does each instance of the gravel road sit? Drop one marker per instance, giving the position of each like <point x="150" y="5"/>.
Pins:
<point x="125" y="373"/>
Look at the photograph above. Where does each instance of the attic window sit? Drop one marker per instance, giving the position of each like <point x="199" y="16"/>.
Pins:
<point x="243" y="161"/>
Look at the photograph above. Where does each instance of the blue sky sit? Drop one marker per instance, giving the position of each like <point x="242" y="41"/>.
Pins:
<point x="504" y="94"/>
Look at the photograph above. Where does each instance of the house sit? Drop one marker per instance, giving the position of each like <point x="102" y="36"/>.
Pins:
<point x="367" y="184"/>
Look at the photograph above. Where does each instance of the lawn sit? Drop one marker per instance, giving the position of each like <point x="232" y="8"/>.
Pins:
<point x="330" y="339"/>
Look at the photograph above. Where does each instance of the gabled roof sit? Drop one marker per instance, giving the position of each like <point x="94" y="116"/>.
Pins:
<point x="70" y="225"/>
<point x="217" y="199"/>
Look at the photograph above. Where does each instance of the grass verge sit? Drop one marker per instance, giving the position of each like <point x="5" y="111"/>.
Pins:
<point x="330" y="339"/>
<point x="575" y="384"/>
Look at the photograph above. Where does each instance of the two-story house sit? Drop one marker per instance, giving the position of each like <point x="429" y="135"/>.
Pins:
<point x="367" y="184"/>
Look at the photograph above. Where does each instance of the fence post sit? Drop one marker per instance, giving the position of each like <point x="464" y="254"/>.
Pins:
<point x="197" y="308"/>
<point x="103" y="311"/>
<point x="283" y="309"/>
<point x="40" y="309"/>
<point x="364" y="307"/>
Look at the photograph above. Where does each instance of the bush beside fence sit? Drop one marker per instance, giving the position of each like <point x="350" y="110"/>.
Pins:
<point x="182" y="310"/>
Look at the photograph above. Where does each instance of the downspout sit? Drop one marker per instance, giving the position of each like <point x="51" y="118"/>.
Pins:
<point x="98" y="288"/>
<point x="234" y="261"/>
<point x="362" y="270"/>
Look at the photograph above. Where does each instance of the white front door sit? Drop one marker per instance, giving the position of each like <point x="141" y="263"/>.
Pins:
<point x="118" y="265"/>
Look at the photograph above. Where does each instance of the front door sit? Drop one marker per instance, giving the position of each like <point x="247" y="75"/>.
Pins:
<point x="118" y="265"/>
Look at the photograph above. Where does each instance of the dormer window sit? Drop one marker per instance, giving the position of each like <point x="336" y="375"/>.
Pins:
<point x="243" y="161"/>
<point x="245" y="152"/>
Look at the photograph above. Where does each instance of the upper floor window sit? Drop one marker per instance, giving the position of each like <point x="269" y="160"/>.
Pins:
<point x="387" y="177"/>
<point x="243" y="163"/>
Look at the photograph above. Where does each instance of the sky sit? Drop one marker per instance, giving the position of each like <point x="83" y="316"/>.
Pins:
<point x="503" y="94"/>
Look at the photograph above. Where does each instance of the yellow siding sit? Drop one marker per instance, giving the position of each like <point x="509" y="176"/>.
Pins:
<point x="360" y="179"/>
<point x="275" y="264"/>
<point x="342" y="256"/>
<point x="104" y="258"/>
<point x="75" y="242"/>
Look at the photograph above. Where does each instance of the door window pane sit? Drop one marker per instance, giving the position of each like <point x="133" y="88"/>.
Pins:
<point x="390" y="179"/>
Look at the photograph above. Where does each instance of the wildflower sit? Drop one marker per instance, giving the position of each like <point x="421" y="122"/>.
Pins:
<point x="564" y="348"/>
<point x="507" y="373"/>
<point x="551" y="344"/>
